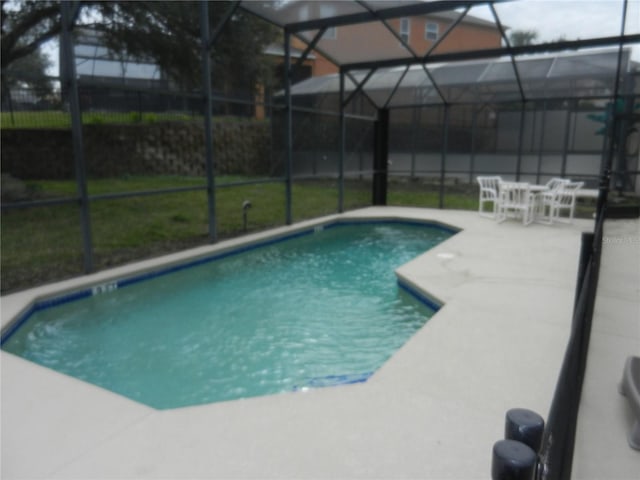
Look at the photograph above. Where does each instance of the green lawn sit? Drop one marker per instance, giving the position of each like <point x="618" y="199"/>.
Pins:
<point x="60" y="119"/>
<point x="45" y="244"/>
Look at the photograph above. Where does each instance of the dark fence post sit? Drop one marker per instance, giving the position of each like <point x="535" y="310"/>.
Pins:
<point x="71" y="87"/>
<point x="288" y="129"/>
<point x="443" y="156"/>
<point x="380" y="157"/>
<point x="585" y="256"/>
<point x="208" y="120"/>
<point x="343" y="139"/>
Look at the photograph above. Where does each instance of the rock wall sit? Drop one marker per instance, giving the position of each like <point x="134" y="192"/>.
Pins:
<point x="240" y="147"/>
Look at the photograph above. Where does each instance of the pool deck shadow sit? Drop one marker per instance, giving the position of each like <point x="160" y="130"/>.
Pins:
<point x="432" y="411"/>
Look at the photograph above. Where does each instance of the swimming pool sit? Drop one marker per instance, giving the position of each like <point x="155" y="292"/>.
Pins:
<point x="321" y="307"/>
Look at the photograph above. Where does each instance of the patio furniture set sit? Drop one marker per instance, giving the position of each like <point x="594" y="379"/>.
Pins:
<point x="555" y="201"/>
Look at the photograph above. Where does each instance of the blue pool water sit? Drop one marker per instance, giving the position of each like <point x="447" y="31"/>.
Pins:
<point x="316" y="310"/>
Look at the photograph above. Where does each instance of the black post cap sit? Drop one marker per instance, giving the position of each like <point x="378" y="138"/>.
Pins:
<point x="524" y="426"/>
<point x="512" y="460"/>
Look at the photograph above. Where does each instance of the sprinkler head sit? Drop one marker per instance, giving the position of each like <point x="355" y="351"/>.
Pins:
<point x="246" y="205"/>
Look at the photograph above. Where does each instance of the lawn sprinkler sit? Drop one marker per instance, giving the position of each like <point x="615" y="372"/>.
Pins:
<point x="246" y="205"/>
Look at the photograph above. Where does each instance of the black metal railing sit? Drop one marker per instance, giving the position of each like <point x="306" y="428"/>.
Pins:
<point x="556" y="452"/>
<point x="551" y="459"/>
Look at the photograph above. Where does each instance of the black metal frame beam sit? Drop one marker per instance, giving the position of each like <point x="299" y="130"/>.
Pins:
<point x="205" y="59"/>
<point x="331" y="59"/>
<point x="288" y="130"/>
<point x="501" y="102"/>
<point x="498" y="52"/>
<point x="375" y="16"/>
<point x="447" y="31"/>
<point x="422" y="8"/>
<point x="69" y="12"/>
<point x="504" y="36"/>
<point x="310" y="46"/>
<point x="409" y="49"/>
<point x="395" y="89"/>
<point x="213" y="37"/>
<point x="359" y="87"/>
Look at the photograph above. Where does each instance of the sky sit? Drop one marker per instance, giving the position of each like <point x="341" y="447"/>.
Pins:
<point x="551" y="19"/>
<point x="573" y="19"/>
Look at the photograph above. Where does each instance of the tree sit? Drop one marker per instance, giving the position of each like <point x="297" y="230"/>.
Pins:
<point x="29" y="71"/>
<point x="26" y="25"/>
<point x="518" y="38"/>
<point x="167" y="33"/>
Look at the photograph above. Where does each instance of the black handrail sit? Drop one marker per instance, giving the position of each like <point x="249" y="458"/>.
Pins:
<point x="556" y="451"/>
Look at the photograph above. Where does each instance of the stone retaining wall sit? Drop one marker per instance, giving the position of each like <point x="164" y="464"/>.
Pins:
<point x="242" y="148"/>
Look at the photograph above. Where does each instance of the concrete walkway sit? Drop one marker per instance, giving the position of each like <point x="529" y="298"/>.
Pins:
<point x="432" y="411"/>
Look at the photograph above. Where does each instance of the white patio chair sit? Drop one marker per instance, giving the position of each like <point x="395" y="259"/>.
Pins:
<point x="565" y="200"/>
<point x="516" y="200"/>
<point x="546" y="199"/>
<point x="556" y="182"/>
<point x="489" y="193"/>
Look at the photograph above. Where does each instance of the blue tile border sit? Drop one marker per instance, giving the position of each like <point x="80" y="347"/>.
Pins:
<point x="132" y="280"/>
<point x="401" y="221"/>
<point x="334" y="380"/>
<point x="42" y="305"/>
<point x="418" y="295"/>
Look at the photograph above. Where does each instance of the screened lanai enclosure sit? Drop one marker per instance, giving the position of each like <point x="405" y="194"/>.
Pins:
<point x="475" y="106"/>
<point x="399" y="102"/>
<point x="354" y="103"/>
<point x="367" y="102"/>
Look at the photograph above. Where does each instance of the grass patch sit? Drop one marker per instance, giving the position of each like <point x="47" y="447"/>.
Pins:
<point x="41" y="119"/>
<point x="419" y="194"/>
<point x="56" y="119"/>
<point x="44" y="244"/>
<point x="62" y="120"/>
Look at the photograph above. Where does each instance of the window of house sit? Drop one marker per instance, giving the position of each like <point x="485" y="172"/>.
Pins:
<point x="326" y="11"/>
<point x="405" y="29"/>
<point x="330" y="34"/>
<point x="431" y="31"/>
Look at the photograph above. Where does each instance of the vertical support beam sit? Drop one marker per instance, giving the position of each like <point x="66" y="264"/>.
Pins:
<point x="380" y="157"/>
<point x="474" y="132"/>
<point x="288" y="127"/>
<point x="443" y="158"/>
<point x="622" y="179"/>
<point x="607" y="161"/>
<point x="208" y="120"/>
<point x="567" y="134"/>
<point x="505" y="38"/>
<point x="541" y="144"/>
<point x="414" y="133"/>
<point x="71" y="88"/>
<point x="520" y="140"/>
<point x="343" y="127"/>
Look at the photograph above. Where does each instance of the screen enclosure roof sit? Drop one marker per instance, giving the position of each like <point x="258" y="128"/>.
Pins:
<point x="581" y="75"/>
<point x="571" y="49"/>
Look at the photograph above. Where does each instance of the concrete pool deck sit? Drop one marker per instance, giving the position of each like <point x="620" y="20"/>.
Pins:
<point x="432" y="411"/>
